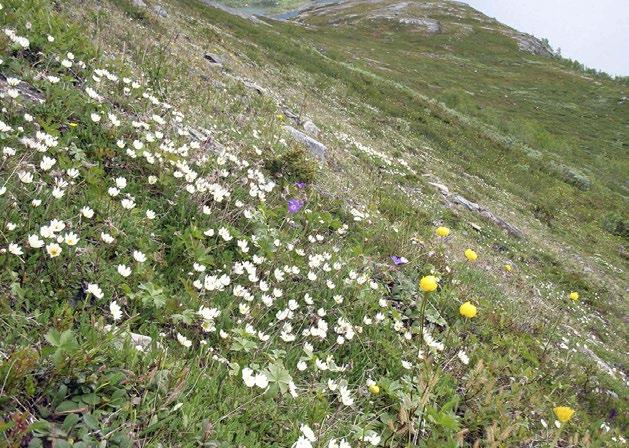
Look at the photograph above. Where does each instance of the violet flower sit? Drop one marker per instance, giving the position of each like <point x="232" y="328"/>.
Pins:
<point x="398" y="260"/>
<point x="294" y="205"/>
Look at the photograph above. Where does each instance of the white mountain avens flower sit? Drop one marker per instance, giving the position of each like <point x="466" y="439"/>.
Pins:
<point x="71" y="239"/>
<point x="35" y="242"/>
<point x="53" y="249"/>
<point x="95" y="290"/>
<point x="25" y="177"/>
<point x="139" y="256"/>
<point x="87" y="212"/>
<point x="15" y="249"/>
<point x="184" y="341"/>
<point x="116" y="312"/>
<point x="124" y="270"/>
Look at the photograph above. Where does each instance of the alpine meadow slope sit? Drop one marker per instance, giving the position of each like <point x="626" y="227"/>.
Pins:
<point x="351" y="224"/>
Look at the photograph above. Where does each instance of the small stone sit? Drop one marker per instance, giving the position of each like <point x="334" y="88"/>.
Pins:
<point x="160" y="11"/>
<point x="213" y="58"/>
<point x="311" y="128"/>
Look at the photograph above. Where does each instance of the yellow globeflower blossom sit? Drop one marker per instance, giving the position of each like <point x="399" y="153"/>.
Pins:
<point x="563" y="413"/>
<point x="428" y="283"/>
<point x="467" y="310"/>
<point x="508" y="267"/>
<point x="442" y="231"/>
<point x="574" y="296"/>
<point x="471" y="255"/>
<point x="374" y="389"/>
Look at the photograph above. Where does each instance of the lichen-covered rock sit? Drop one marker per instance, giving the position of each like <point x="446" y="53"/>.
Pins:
<point x="315" y="147"/>
<point x="160" y="11"/>
<point x="311" y="128"/>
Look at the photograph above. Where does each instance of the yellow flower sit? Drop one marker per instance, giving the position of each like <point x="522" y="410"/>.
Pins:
<point x="563" y="413"/>
<point x="574" y="296"/>
<point x="374" y="389"/>
<point x="467" y="310"/>
<point x="442" y="231"/>
<point x="471" y="255"/>
<point x="428" y="283"/>
<point x="280" y="117"/>
<point x="72" y="125"/>
<point x="508" y="267"/>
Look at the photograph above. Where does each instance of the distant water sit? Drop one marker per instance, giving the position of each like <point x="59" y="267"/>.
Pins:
<point x="287" y="15"/>
<point x="275" y="12"/>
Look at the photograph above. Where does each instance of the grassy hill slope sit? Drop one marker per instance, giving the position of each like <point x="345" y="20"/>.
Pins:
<point x="177" y="271"/>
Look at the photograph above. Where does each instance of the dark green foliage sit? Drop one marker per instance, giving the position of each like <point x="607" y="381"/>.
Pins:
<point x="293" y="164"/>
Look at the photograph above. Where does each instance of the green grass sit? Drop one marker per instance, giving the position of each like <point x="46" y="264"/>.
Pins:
<point x="71" y="375"/>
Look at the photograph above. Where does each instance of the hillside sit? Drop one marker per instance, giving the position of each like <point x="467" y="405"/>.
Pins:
<point x="361" y="226"/>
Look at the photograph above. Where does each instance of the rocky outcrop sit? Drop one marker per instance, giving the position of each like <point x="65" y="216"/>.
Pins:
<point x="25" y="90"/>
<point x="213" y="59"/>
<point x="531" y="44"/>
<point x="311" y="128"/>
<point x="454" y="199"/>
<point x="315" y="147"/>
<point x="430" y="26"/>
<point x="160" y="11"/>
<point x="399" y="13"/>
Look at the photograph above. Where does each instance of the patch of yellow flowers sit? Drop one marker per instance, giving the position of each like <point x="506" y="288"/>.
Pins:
<point x="563" y="413"/>
<point x="470" y="255"/>
<point x="468" y="310"/>
<point x="428" y="283"/>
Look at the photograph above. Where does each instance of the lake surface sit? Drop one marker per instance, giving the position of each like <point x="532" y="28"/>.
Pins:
<point x="281" y="10"/>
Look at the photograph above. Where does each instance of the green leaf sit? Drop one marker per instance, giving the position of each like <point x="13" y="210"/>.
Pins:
<point x="277" y="373"/>
<point x="35" y="443"/>
<point x="53" y="337"/>
<point x="70" y="421"/>
<point x="69" y="406"/>
<point x="91" y="421"/>
<point x="91" y="399"/>
<point x="448" y="421"/>
<point x="272" y="392"/>
<point x="68" y="341"/>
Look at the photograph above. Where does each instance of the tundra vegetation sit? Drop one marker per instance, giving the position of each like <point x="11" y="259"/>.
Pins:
<point x="178" y="270"/>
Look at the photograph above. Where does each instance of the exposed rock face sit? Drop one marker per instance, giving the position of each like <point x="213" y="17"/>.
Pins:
<point x="160" y="11"/>
<point x="532" y="45"/>
<point x="427" y="25"/>
<point x="213" y="58"/>
<point x="456" y="199"/>
<point x="26" y="91"/>
<point x="311" y="128"/>
<point x="315" y="147"/>
<point x="251" y="85"/>
<point x="397" y="12"/>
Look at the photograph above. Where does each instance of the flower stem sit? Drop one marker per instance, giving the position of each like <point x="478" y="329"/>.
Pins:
<point x="422" y="315"/>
